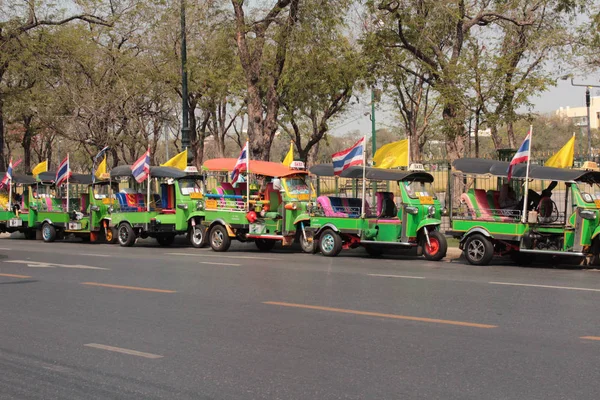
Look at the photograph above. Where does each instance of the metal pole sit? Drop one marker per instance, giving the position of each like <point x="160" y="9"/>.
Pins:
<point x="185" y="126"/>
<point x="589" y="132"/>
<point x="373" y="132"/>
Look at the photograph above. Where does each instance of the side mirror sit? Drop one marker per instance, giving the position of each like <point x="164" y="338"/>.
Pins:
<point x="444" y="212"/>
<point x="182" y="206"/>
<point x="276" y="184"/>
<point x="95" y="208"/>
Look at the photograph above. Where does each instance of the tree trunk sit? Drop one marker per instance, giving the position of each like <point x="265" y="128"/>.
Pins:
<point x="313" y="155"/>
<point x="26" y="142"/>
<point x="511" y="135"/>
<point x="454" y="132"/>
<point x="2" y="159"/>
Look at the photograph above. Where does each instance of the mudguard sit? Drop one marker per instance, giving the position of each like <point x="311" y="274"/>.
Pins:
<point x="302" y="217"/>
<point x="428" y="222"/>
<point x="328" y="225"/>
<point x="478" y="229"/>
<point x="219" y="221"/>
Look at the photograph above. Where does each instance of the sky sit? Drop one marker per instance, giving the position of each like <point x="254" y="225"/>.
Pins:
<point x="562" y="95"/>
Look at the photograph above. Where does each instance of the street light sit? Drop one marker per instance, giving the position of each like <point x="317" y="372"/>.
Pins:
<point x="587" y="104"/>
<point x="185" y="127"/>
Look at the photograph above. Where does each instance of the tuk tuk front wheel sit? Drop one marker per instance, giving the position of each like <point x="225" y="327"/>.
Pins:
<point x="264" y="244"/>
<point x="478" y="250"/>
<point x="330" y="243"/>
<point x="111" y="235"/>
<point x="219" y="239"/>
<point x="126" y="235"/>
<point x="197" y="236"/>
<point x="437" y="247"/>
<point x="48" y="232"/>
<point x="308" y="246"/>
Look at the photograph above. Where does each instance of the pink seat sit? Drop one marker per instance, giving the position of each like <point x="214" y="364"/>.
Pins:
<point x="325" y="203"/>
<point x="483" y="205"/>
<point x="464" y="198"/>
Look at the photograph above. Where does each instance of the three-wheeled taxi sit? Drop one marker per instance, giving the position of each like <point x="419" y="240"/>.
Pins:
<point x="14" y="209"/>
<point x="275" y="210"/>
<point x="562" y="220"/>
<point x="175" y="206"/>
<point x="412" y="220"/>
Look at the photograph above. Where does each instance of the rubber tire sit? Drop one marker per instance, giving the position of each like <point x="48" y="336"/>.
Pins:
<point x="166" y="239"/>
<point x="126" y="230"/>
<point x="521" y="258"/>
<point x="112" y="236"/>
<point x="48" y="232"/>
<point x="330" y="243"/>
<point x="374" y="250"/>
<point x="224" y="240"/>
<point x="194" y="240"/>
<point x="307" y="246"/>
<point x="481" y="243"/>
<point x="441" y="249"/>
<point x="265" y="244"/>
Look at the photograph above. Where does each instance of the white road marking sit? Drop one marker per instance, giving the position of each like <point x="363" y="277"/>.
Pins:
<point x="95" y="255"/>
<point x="222" y="256"/>
<point x="216" y="263"/>
<point x="397" y="276"/>
<point x="4" y="248"/>
<point x="545" y="286"/>
<point x="121" y="350"/>
<point x="38" y="264"/>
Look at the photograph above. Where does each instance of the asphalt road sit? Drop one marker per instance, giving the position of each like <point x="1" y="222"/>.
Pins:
<point x="86" y="321"/>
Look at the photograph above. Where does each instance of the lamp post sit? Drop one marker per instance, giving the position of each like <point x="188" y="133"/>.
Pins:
<point x="185" y="126"/>
<point x="587" y="105"/>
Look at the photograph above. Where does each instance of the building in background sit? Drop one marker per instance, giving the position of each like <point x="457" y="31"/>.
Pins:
<point x="579" y="114"/>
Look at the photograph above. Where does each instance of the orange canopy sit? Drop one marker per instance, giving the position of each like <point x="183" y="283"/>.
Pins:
<point x="266" y="168"/>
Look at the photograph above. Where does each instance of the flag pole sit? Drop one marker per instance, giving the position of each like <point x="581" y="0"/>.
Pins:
<point x="363" y="179"/>
<point x="524" y="218"/>
<point x="68" y="171"/>
<point x="408" y="155"/>
<point x="148" y="189"/>
<point x="10" y="189"/>
<point x="247" y="176"/>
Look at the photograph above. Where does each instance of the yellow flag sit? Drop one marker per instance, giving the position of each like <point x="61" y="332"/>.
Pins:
<point x="41" y="167"/>
<point x="101" y="170"/>
<point x="564" y="157"/>
<point x="392" y="155"/>
<point x="289" y="156"/>
<point x="179" y="161"/>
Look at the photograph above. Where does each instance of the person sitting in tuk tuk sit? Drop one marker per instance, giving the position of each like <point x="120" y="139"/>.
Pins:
<point x="508" y="198"/>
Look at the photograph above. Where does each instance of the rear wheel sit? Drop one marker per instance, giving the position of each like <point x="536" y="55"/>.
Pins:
<point x="197" y="236"/>
<point x="111" y="235"/>
<point x="126" y="235"/>
<point x="219" y="239"/>
<point x="437" y="247"/>
<point x="264" y="244"/>
<point x="330" y="243"/>
<point x="478" y="250"/>
<point x="165" y="239"/>
<point x="48" y="232"/>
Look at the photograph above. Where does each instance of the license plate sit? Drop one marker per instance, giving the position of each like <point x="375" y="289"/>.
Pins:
<point x="258" y="228"/>
<point x="196" y="196"/>
<point x="15" y="222"/>
<point x="74" y="226"/>
<point x="426" y="199"/>
<point x="211" y="204"/>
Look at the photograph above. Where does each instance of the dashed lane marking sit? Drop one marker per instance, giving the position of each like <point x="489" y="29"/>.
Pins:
<point x="590" y="338"/>
<point x="123" y="351"/>
<point x="15" y="276"/>
<point x="381" y="315"/>
<point x="545" y="286"/>
<point x="223" y="256"/>
<point x="397" y="276"/>
<point x="217" y="263"/>
<point x="39" y="264"/>
<point x="143" y="289"/>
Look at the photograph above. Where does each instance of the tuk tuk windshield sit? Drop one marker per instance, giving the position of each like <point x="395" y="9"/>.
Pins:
<point x="296" y="186"/>
<point x="417" y="190"/>
<point x="104" y="191"/>
<point x="190" y="185"/>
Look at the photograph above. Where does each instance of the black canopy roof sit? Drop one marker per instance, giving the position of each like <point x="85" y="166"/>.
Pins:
<point x="479" y="166"/>
<point x="20" y="178"/>
<point x="155" y="172"/>
<point x="377" y="174"/>
<point x="81" y="179"/>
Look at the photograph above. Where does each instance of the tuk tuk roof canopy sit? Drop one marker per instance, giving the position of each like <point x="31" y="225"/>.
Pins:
<point x="478" y="166"/>
<point x="376" y="174"/>
<point x="155" y="172"/>
<point x="20" y="178"/>
<point x="81" y="179"/>
<point x="265" y="168"/>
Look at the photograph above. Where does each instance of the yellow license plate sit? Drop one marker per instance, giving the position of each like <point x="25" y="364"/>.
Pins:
<point x="196" y="195"/>
<point x="211" y="204"/>
<point x="597" y="202"/>
<point x="426" y="199"/>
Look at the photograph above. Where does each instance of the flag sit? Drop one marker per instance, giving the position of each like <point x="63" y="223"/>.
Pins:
<point x="241" y="163"/>
<point x="179" y="161"/>
<point x="392" y="155"/>
<point x="41" y="167"/>
<point x="141" y="168"/>
<point x="8" y="175"/>
<point x="521" y="156"/>
<point x="101" y="170"/>
<point x="63" y="173"/>
<point x="289" y="158"/>
<point x="564" y="157"/>
<point x="349" y="157"/>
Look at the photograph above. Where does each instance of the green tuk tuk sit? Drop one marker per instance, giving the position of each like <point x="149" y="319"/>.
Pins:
<point x="412" y="220"/>
<point x="561" y="221"/>
<point x="175" y="206"/>
<point x="14" y="208"/>
<point x="274" y="211"/>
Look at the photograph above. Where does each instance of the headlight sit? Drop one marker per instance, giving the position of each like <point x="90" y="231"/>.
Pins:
<point x="199" y="205"/>
<point x="445" y="212"/>
<point x="412" y="210"/>
<point x="431" y="211"/>
<point x="110" y="209"/>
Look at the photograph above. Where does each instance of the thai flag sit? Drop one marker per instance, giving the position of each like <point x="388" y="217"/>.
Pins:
<point x="63" y="173"/>
<point x="240" y="164"/>
<point x="522" y="154"/>
<point x="349" y="157"/>
<point x="141" y="168"/>
<point x="8" y="175"/>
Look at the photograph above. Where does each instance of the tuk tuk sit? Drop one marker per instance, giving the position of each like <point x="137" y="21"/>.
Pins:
<point x="411" y="220"/>
<point x="275" y="210"/>
<point x="561" y="221"/>
<point x="14" y="207"/>
<point x="175" y="206"/>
